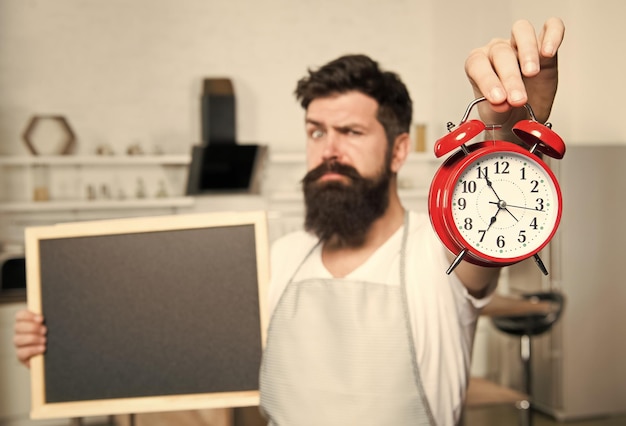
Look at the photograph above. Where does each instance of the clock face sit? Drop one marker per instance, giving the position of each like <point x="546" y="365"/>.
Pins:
<point x="505" y="205"/>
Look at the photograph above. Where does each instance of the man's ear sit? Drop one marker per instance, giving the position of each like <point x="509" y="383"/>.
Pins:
<point x="401" y="148"/>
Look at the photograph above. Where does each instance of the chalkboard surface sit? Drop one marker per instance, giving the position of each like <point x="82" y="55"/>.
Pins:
<point x="168" y="306"/>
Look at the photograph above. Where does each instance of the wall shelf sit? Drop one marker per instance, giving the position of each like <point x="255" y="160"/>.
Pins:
<point x="75" y="183"/>
<point x="50" y="206"/>
<point x="96" y="160"/>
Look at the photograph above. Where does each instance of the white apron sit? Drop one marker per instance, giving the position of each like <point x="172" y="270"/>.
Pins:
<point x="341" y="353"/>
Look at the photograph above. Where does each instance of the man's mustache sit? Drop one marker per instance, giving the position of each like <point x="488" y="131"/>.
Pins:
<point x="331" y="167"/>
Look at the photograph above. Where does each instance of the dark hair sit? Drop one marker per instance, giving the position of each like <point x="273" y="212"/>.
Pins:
<point x="361" y="73"/>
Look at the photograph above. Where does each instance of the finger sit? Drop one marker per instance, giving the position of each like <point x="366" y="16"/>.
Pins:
<point x="505" y="63"/>
<point x="25" y="354"/>
<point x="483" y="77"/>
<point x="26" y="315"/>
<point x="30" y="327"/>
<point x="25" y="340"/>
<point x="551" y="37"/>
<point x="524" y="41"/>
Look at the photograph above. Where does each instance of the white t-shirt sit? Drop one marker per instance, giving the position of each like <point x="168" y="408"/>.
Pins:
<point x="443" y="314"/>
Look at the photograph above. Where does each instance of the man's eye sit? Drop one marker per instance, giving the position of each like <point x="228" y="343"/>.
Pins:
<point x="317" y="133"/>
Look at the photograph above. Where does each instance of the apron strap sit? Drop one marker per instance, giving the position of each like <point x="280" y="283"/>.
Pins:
<point x="407" y="319"/>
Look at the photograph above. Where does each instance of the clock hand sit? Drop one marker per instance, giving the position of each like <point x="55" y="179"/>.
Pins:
<point x="502" y="205"/>
<point x="519" y="207"/>
<point x="512" y="215"/>
<point x="492" y="220"/>
<point x="490" y="185"/>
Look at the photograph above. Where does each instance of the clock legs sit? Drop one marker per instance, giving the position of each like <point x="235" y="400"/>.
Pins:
<point x="463" y="252"/>
<point x="540" y="264"/>
<point x="456" y="261"/>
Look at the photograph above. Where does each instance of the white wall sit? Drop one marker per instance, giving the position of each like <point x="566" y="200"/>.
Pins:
<point x="127" y="71"/>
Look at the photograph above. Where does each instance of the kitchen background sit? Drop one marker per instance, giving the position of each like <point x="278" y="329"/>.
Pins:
<point x="129" y="74"/>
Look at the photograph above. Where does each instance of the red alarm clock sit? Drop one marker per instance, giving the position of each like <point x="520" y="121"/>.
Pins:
<point x="495" y="203"/>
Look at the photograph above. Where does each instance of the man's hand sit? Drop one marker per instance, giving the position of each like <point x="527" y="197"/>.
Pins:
<point x="30" y="336"/>
<point x="513" y="72"/>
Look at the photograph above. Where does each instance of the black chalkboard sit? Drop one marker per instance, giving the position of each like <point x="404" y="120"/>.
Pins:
<point x="138" y="308"/>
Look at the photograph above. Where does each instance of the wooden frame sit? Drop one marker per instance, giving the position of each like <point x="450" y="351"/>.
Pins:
<point x="45" y="244"/>
<point x="68" y="143"/>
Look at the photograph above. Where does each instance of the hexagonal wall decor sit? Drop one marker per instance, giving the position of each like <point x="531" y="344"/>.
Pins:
<point x="49" y="135"/>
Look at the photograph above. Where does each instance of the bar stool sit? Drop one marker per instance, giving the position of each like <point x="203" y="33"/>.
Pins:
<point x="527" y="325"/>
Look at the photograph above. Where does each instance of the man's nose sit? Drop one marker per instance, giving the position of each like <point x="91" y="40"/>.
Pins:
<point x="332" y="145"/>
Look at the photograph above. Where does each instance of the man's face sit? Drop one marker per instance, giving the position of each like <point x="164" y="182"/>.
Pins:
<point x="347" y="186"/>
<point x="344" y="128"/>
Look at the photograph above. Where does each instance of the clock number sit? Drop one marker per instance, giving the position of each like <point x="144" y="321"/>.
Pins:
<point x="482" y="233"/>
<point x="533" y="223"/>
<point x="523" y="170"/>
<point x="535" y="186"/>
<point x="468" y="223"/>
<point x="522" y="236"/>
<point x="500" y="241"/>
<point x="462" y="203"/>
<point x="540" y="206"/>
<point x="482" y="172"/>
<point x="502" y="167"/>
<point x="468" y="186"/>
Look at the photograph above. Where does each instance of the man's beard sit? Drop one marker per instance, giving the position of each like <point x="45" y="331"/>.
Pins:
<point x="344" y="211"/>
